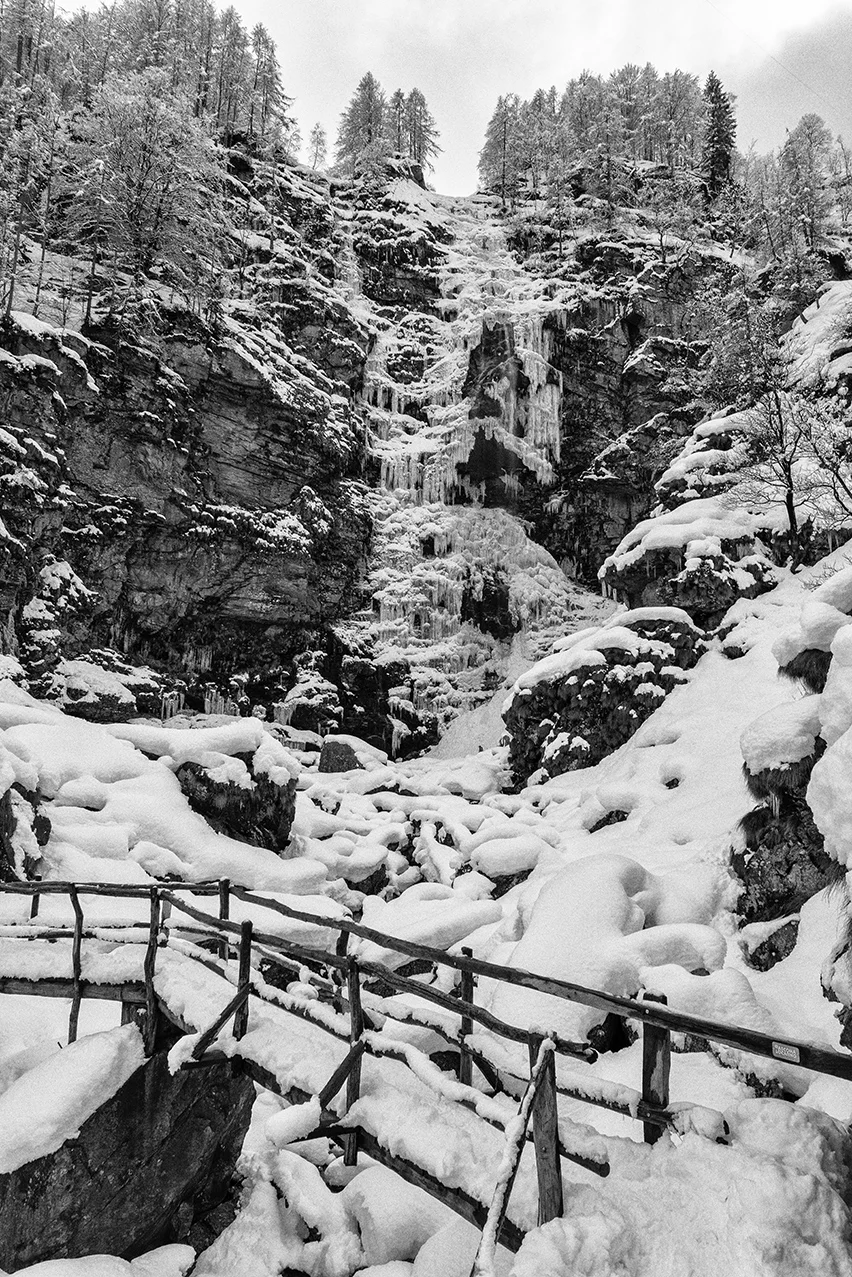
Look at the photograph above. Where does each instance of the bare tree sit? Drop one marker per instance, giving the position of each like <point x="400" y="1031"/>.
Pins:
<point x="799" y="457"/>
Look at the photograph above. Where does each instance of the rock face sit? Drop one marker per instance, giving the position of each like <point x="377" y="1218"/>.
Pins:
<point x="338" y="756"/>
<point x="153" y="1162"/>
<point x="24" y="830"/>
<point x="203" y="479"/>
<point x="209" y="467"/>
<point x="203" y="496"/>
<point x="784" y="862"/>
<point x="626" y="357"/>
<point x="785" y="859"/>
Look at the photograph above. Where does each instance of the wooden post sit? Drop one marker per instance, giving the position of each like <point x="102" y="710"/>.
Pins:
<point x="224" y="914"/>
<point x="341" y="1074"/>
<point x="356" y="1031"/>
<point x="467" y="994"/>
<point x="34" y="905"/>
<point x="341" y="949"/>
<point x="165" y="914"/>
<point x="127" y="1010"/>
<point x="149" y="969"/>
<point x="76" y="965"/>
<point x="241" y="1018"/>
<point x="545" y="1125"/>
<point x="656" y="1069"/>
<point x="483" y="1264"/>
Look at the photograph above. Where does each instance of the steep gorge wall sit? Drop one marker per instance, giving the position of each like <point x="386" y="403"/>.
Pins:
<point x="212" y="483"/>
<point x="627" y="355"/>
<point x="202" y="478"/>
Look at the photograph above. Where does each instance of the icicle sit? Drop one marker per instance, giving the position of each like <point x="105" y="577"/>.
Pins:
<point x="171" y="703"/>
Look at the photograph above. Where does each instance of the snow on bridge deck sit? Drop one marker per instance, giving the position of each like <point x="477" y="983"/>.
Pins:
<point x="408" y="1109"/>
<point x="405" y="1116"/>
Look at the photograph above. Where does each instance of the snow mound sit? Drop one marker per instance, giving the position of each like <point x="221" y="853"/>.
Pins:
<point x="593" y="923"/>
<point x="166" y="1261"/>
<point x="784" y="735"/>
<point x="770" y="1205"/>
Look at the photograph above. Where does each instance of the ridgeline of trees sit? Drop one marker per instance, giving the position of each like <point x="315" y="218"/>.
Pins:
<point x="666" y="145"/>
<point x="606" y="126"/>
<point x="228" y="76"/>
<point x="114" y="134"/>
<point x="373" y="126"/>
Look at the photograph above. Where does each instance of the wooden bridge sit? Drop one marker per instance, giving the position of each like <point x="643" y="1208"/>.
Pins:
<point x="198" y="970"/>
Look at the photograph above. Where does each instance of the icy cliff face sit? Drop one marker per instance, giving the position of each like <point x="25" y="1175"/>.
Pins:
<point x="349" y="496"/>
<point x="462" y="406"/>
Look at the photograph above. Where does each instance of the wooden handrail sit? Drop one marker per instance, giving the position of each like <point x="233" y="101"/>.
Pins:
<point x="577" y="1050"/>
<point x="209" y="1035"/>
<point x="216" y="925"/>
<point x="129" y="890"/>
<point x="786" y="1050"/>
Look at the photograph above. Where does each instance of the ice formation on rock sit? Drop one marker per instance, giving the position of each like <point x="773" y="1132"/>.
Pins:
<point x="421" y="419"/>
<point x="430" y="393"/>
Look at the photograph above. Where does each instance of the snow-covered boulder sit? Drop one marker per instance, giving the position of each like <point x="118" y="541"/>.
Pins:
<point x="701" y="557"/>
<point x="596" y="923"/>
<point x="589" y="696"/>
<point x="804" y="651"/>
<point x="239" y="777"/>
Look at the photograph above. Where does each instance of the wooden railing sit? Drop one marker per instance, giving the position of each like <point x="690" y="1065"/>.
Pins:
<point x="343" y="979"/>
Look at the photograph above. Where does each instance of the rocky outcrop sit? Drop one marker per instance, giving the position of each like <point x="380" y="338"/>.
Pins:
<point x="784" y="860"/>
<point x="627" y="355"/>
<point x="198" y="482"/>
<point x="249" y="806"/>
<point x="700" y="557"/>
<point x="148" y="1167"/>
<point x="580" y="704"/>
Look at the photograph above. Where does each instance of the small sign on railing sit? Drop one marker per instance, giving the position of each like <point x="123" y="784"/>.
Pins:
<point x="785" y="1051"/>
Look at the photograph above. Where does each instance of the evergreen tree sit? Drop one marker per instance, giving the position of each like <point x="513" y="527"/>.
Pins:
<point x="266" y="101"/>
<point x="805" y="161"/>
<point x="421" y="132"/>
<point x="720" y="130"/>
<point x="396" y="122"/>
<point x="317" y="147"/>
<point x="501" y="159"/>
<point x="363" y="122"/>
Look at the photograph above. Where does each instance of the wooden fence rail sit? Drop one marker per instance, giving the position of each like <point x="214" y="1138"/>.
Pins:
<point x="343" y="977"/>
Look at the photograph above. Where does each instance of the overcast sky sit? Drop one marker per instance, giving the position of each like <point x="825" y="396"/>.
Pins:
<point x="781" y="58"/>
